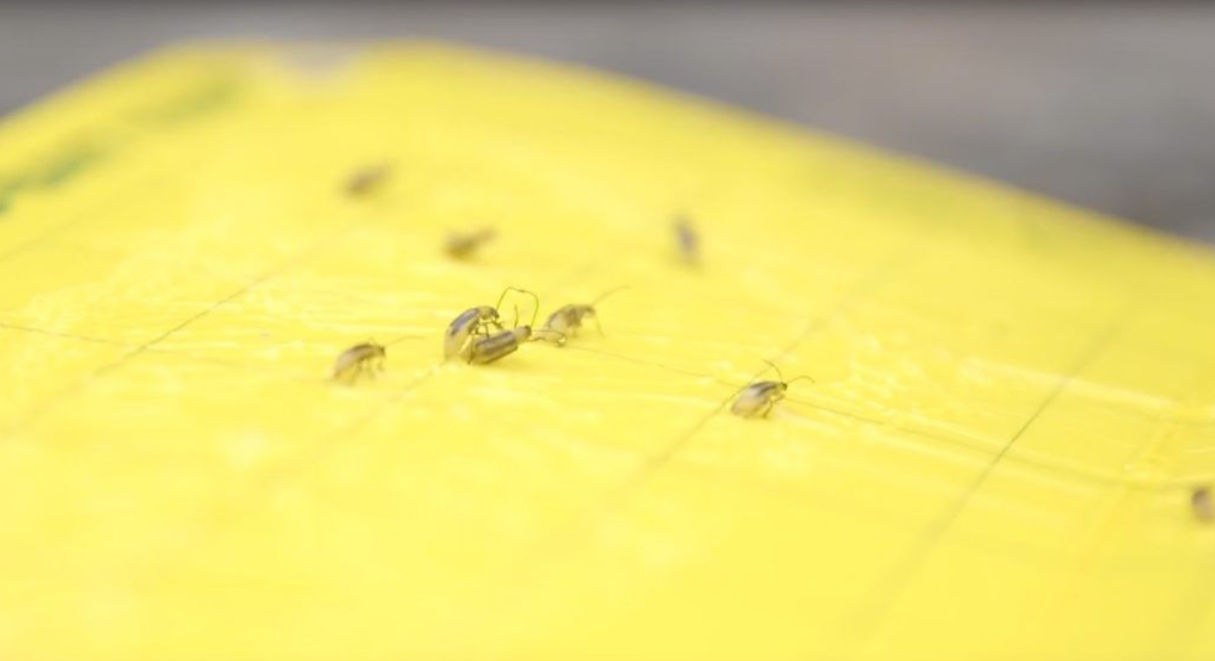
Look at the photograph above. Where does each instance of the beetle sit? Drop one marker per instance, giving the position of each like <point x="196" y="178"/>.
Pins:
<point x="757" y="399"/>
<point x="359" y="359"/>
<point x="565" y="321"/>
<point x="491" y="348"/>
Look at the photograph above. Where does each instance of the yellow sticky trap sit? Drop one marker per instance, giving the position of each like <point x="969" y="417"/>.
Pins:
<point x="1013" y="398"/>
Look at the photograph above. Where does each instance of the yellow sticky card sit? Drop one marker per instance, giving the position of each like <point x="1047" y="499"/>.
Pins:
<point x="1011" y="408"/>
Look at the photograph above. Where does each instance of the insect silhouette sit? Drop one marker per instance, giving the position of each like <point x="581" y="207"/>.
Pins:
<point x="1200" y="503"/>
<point x="687" y="241"/>
<point x="757" y="399"/>
<point x="365" y="181"/>
<point x="463" y="245"/>
<point x="565" y="321"/>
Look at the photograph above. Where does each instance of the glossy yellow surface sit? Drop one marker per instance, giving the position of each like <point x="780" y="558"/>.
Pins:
<point x="1013" y="398"/>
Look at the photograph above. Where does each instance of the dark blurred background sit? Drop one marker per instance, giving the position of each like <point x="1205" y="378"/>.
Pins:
<point x="1107" y="105"/>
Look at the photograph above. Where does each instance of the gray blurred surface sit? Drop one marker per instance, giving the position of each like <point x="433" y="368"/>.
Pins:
<point x="1108" y="106"/>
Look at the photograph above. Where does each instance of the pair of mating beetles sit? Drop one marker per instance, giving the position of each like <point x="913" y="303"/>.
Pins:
<point x="478" y="336"/>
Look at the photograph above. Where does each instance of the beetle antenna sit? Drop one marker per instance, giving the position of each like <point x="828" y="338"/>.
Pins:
<point x="407" y="336"/>
<point x="535" y="311"/>
<point x="606" y="294"/>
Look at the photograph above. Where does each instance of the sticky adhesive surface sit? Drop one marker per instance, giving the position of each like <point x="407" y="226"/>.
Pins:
<point x="1012" y="398"/>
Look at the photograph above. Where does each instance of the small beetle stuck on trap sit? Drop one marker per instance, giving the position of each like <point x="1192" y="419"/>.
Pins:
<point x="366" y="359"/>
<point x="756" y="400"/>
<point x="566" y="320"/>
